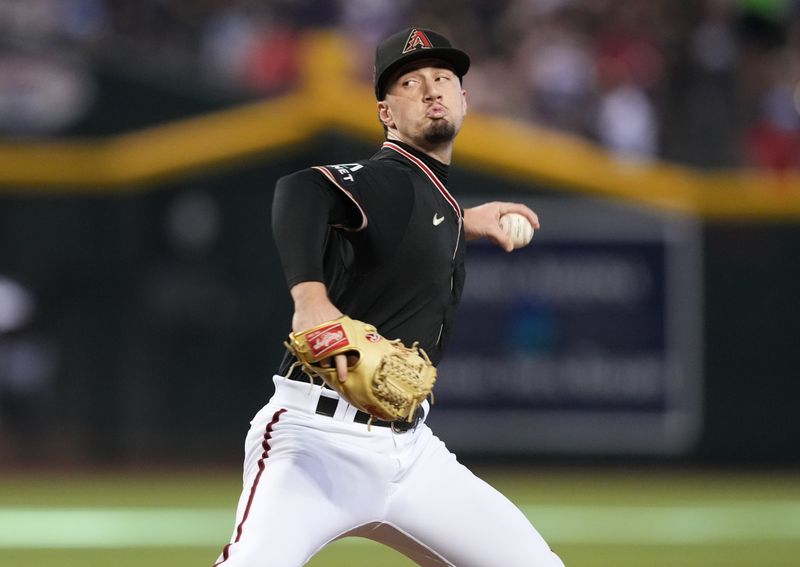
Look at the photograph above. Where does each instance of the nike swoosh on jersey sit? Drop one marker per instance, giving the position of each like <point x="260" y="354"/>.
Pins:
<point x="437" y="220"/>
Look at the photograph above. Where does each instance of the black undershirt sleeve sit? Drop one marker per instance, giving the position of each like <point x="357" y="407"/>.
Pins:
<point x="304" y="208"/>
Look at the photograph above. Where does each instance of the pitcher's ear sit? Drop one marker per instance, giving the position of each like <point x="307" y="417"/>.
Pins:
<point x="385" y="114"/>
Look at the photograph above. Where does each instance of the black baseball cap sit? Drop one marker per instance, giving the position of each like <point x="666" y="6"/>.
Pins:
<point x="412" y="44"/>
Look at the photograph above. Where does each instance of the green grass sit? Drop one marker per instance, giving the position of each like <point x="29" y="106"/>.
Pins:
<point x="592" y="518"/>
<point x="339" y="555"/>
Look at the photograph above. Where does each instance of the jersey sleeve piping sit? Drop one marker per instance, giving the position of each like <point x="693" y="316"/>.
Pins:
<point x="329" y="176"/>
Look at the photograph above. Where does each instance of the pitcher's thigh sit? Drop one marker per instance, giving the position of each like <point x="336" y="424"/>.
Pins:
<point x="282" y="520"/>
<point x="466" y="521"/>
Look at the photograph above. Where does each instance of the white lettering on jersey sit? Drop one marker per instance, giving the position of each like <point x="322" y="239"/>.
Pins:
<point x="346" y="170"/>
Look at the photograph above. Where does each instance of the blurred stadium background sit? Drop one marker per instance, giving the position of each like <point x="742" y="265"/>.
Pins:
<point x="631" y="380"/>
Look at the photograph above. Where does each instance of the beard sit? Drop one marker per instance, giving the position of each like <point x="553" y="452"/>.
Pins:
<point x="439" y="132"/>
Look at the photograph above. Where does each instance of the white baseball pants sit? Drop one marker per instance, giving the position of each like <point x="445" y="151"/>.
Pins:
<point x="310" y="479"/>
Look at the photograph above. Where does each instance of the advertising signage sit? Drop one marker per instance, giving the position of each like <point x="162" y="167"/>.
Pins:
<point x="586" y="341"/>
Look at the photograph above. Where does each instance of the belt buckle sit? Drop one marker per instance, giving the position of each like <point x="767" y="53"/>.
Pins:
<point x="402" y="426"/>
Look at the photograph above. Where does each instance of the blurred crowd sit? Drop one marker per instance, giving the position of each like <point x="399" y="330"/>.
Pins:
<point x="710" y="83"/>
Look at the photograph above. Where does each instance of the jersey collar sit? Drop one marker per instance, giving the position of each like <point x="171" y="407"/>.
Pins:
<point x="429" y="170"/>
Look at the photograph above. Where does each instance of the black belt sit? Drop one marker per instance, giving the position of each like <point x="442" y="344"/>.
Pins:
<point x="327" y="406"/>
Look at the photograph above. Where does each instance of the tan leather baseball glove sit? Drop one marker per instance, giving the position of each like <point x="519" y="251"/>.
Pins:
<point x="388" y="380"/>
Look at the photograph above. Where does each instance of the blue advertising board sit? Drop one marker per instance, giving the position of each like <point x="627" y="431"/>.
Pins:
<point x="586" y="341"/>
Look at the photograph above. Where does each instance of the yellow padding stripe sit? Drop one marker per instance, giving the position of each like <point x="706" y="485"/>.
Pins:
<point x="329" y="99"/>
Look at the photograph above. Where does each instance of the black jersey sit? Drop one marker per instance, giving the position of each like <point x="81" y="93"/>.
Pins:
<point x="393" y="254"/>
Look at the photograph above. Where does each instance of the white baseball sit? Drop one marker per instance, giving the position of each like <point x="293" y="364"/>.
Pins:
<point x="518" y="228"/>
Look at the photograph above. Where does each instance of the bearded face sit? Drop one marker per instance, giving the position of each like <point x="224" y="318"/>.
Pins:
<point x="424" y="106"/>
<point x="439" y="132"/>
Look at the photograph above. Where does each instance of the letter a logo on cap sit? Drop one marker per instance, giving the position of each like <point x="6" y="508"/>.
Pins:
<point x="416" y="39"/>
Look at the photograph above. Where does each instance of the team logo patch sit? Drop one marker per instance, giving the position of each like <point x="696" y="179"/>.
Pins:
<point x="417" y="39"/>
<point x="327" y="339"/>
<point x="373" y="337"/>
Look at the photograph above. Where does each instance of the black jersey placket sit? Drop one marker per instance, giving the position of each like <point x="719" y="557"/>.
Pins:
<point x="429" y="173"/>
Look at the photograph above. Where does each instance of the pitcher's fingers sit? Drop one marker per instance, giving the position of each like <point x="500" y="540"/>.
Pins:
<point x="341" y="366"/>
<point x="499" y="236"/>
<point x="523" y="210"/>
